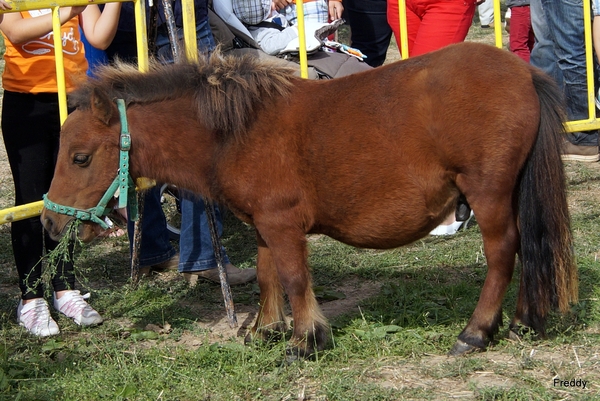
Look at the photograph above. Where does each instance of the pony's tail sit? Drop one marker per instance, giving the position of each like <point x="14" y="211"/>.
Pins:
<point x="549" y="274"/>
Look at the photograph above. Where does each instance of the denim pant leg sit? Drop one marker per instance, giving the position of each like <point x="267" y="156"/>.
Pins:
<point x="196" y="250"/>
<point x="155" y="247"/>
<point x="564" y="29"/>
<point x="542" y="54"/>
<point x="204" y="37"/>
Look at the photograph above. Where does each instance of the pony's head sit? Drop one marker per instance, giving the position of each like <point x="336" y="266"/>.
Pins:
<point x="87" y="163"/>
<point x="223" y="91"/>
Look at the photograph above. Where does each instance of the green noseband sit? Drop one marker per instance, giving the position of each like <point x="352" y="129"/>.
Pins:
<point x="123" y="183"/>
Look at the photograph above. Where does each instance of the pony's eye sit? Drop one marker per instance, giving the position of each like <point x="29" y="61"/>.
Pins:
<point x="81" y="160"/>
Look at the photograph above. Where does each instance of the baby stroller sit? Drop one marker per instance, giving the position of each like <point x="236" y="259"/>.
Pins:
<point x="234" y="38"/>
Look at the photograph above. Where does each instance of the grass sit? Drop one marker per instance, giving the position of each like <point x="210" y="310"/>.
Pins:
<point x="394" y="315"/>
<point x="161" y="339"/>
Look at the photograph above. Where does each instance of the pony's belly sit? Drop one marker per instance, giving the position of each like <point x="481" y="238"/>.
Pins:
<point x="375" y="239"/>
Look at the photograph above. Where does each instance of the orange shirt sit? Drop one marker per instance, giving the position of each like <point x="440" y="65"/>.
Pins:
<point x="30" y="66"/>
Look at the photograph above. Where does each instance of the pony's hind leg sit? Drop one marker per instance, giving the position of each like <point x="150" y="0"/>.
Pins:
<point x="501" y="241"/>
<point x="270" y="323"/>
<point x="289" y="253"/>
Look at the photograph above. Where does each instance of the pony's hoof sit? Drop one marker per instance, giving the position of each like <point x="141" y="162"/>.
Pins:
<point x="265" y="337"/>
<point x="294" y="354"/>
<point x="462" y="348"/>
<point x="513" y="336"/>
<point x="517" y="331"/>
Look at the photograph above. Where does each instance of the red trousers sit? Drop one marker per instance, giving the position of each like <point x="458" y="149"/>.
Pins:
<point x="521" y="37"/>
<point x="432" y="24"/>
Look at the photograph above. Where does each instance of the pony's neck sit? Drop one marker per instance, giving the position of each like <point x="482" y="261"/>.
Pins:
<point x="169" y="145"/>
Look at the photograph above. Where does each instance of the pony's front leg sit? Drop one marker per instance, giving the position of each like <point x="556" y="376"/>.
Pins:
<point x="289" y="252"/>
<point x="271" y="317"/>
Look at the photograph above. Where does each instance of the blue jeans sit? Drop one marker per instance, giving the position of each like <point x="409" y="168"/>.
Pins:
<point x="204" y="37"/>
<point x="195" y="244"/>
<point x="559" y="50"/>
<point x="155" y="246"/>
<point x="196" y="250"/>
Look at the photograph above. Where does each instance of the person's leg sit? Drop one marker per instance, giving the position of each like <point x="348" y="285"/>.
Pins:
<point x="196" y="251"/>
<point x="521" y="34"/>
<point x="486" y="13"/>
<point x="31" y="128"/>
<point x="370" y="32"/>
<point x="155" y="247"/>
<point x="31" y="140"/>
<point x="542" y="54"/>
<point x="205" y="41"/>
<point x="414" y="14"/>
<point x="443" y="23"/>
<point x="565" y="22"/>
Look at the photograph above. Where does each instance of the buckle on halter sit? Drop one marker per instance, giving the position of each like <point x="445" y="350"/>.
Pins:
<point x="125" y="141"/>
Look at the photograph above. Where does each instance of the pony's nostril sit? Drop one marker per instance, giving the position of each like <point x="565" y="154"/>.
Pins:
<point x="47" y="223"/>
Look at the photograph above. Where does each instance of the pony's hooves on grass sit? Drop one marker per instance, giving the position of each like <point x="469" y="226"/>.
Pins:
<point x="517" y="331"/>
<point x="462" y="348"/>
<point x="294" y="354"/>
<point x="248" y="339"/>
<point x="513" y="336"/>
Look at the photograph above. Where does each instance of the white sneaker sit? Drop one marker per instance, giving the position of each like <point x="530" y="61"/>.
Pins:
<point x="451" y="229"/>
<point x="72" y="304"/>
<point x="35" y="317"/>
<point x="447" y="229"/>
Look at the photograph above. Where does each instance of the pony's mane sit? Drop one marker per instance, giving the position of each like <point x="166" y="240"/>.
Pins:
<point x="226" y="89"/>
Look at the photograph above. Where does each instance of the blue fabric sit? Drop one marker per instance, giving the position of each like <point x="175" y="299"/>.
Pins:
<point x="196" y="250"/>
<point x="195" y="244"/>
<point x="93" y="56"/>
<point x="155" y="246"/>
<point x="204" y="37"/>
<point x="200" y="8"/>
<point x="560" y="51"/>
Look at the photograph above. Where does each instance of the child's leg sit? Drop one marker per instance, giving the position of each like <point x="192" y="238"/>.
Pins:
<point x="521" y="34"/>
<point x="443" y="23"/>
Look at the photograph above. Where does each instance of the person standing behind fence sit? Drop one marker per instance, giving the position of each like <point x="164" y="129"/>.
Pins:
<point x="559" y="50"/>
<point x="369" y="29"/>
<point x="196" y="254"/>
<point x="521" y="38"/>
<point x="314" y="10"/>
<point x="486" y="14"/>
<point x="31" y="129"/>
<point x="432" y="24"/>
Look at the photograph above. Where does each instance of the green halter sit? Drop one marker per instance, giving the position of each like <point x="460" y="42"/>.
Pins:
<point x="122" y="183"/>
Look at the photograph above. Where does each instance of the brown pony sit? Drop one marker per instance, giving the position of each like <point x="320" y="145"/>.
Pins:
<point x="374" y="160"/>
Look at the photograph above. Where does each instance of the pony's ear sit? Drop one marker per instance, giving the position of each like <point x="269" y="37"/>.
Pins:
<point x="102" y="108"/>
